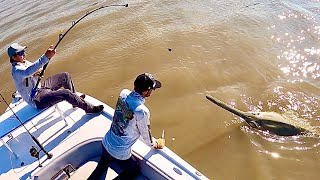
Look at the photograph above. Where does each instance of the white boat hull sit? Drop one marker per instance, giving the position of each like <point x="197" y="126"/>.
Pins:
<point x="77" y="141"/>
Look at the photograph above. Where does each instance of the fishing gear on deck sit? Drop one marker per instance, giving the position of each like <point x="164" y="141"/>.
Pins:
<point x="61" y="36"/>
<point x="33" y="151"/>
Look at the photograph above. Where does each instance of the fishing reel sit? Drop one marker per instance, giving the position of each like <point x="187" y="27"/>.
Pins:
<point x="35" y="153"/>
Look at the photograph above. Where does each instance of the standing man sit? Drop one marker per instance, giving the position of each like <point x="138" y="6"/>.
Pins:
<point x="130" y="121"/>
<point x="25" y="75"/>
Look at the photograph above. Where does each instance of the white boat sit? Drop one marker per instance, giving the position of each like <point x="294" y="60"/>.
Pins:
<point x="73" y="138"/>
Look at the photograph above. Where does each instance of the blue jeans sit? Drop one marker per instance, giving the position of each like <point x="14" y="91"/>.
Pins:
<point x="51" y="93"/>
<point x="129" y="167"/>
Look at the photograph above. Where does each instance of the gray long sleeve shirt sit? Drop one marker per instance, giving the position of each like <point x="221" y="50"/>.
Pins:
<point x="22" y="74"/>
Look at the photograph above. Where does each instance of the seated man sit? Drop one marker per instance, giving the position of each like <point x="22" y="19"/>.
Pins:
<point x="130" y="121"/>
<point x="25" y="75"/>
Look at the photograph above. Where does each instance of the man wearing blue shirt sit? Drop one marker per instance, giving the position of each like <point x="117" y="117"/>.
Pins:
<point x="25" y="75"/>
<point x="131" y="120"/>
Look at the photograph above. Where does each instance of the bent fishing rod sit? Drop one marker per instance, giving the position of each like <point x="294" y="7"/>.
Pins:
<point x="61" y="36"/>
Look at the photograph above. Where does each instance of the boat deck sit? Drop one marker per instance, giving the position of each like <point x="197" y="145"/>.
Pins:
<point x="54" y="134"/>
<point x="58" y="136"/>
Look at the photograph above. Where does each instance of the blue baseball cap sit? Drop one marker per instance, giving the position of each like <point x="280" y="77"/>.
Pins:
<point x="14" y="48"/>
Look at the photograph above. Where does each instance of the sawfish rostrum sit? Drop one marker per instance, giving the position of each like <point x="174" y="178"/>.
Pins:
<point x="266" y="121"/>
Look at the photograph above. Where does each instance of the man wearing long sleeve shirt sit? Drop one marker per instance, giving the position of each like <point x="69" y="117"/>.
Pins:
<point x="25" y="75"/>
<point x="130" y="121"/>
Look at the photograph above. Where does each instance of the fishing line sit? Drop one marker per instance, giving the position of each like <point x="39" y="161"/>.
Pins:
<point x="203" y="57"/>
<point x="61" y="36"/>
<point x="169" y="49"/>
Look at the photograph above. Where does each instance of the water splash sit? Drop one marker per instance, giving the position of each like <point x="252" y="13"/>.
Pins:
<point x="287" y="143"/>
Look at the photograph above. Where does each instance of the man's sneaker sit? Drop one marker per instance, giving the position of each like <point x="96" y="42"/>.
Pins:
<point x="95" y="109"/>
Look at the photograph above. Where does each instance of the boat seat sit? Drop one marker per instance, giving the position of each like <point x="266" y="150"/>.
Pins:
<point x="25" y="112"/>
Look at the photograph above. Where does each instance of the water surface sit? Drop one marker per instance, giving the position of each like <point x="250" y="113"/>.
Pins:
<point x="255" y="55"/>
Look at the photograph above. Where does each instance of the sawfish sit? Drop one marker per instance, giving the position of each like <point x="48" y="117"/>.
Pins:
<point x="265" y="121"/>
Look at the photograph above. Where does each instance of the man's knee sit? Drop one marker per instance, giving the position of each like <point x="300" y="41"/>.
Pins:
<point x="66" y="76"/>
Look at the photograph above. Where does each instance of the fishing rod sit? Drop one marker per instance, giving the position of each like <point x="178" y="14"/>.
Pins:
<point x="61" y="36"/>
<point x="33" y="151"/>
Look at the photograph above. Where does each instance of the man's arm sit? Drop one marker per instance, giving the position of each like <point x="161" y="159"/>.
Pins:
<point x="145" y="130"/>
<point x="144" y="126"/>
<point x="33" y="68"/>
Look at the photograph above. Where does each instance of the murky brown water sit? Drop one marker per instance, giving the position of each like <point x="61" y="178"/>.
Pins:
<point x="256" y="55"/>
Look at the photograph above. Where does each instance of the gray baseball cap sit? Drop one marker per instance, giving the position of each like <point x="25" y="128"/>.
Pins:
<point x="14" y="48"/>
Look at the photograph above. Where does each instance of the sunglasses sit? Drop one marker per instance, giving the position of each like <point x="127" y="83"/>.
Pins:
<point x="21" y="53"/>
